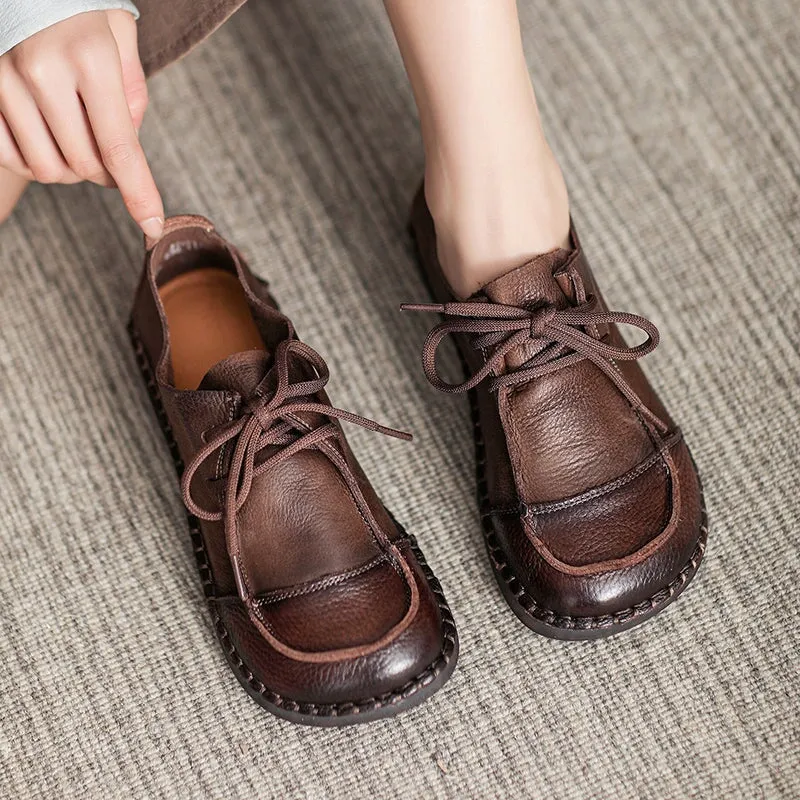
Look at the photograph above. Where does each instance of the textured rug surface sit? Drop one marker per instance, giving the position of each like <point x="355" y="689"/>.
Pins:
<point x="677" y="127"/>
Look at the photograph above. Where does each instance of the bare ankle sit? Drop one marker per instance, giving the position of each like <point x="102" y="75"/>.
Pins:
<point x="490" y="221"/>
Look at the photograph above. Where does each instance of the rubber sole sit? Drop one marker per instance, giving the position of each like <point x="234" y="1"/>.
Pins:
<point x="389" y="704"/>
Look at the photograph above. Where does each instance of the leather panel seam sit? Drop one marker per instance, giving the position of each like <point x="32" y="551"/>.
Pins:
<point x="537" y="509"/>
<point x="277" y="595"/>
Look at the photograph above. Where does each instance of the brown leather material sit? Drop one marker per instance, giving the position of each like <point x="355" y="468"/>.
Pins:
<point x="361" y="679"/>
<point x="318" y="590"/>
<point x="591" y="503"/>
<point x="569" y="532"/>
<point x="601" y="590"/>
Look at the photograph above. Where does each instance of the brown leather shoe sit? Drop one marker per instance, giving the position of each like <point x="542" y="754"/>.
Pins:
<point x="324" y="606"/>
<point x="592" y="509"/>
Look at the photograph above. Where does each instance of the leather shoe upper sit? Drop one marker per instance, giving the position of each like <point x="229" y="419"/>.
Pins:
<point x="317" y="589"/>
<point x="587" y="483"/>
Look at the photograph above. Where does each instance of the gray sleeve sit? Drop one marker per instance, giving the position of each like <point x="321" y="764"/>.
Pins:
<point x="20" y="19"/>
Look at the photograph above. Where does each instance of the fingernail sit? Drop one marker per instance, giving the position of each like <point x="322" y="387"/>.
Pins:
<point x="153" y="227"/>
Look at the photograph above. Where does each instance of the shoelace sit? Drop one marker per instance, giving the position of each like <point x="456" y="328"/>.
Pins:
<point x="560" y="334"/>
<point x="266" y="421"/>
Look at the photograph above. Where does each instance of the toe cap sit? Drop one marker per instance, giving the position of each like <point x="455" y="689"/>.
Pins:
<point x="648" y="532"/>
<point x="354" y="612"/>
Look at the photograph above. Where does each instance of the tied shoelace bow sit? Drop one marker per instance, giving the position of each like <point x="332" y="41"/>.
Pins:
<point x="266" y="421"/>
<point x="560" y="335"/>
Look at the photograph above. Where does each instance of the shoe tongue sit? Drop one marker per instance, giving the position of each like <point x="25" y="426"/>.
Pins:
<point x="531" y="283"/>
<point x="240" y="373"/>
<point x="528" y="285"/>
<point x="561" y="424"/>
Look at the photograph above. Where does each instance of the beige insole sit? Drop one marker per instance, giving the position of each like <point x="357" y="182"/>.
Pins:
<point x="209" y="320"/>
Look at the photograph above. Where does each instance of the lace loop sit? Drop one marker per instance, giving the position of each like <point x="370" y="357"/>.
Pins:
<point x="266" y="421"/>
<point x="560" y="339"/>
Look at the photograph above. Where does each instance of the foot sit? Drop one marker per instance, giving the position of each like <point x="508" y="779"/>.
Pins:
<point x="12" y="188"/>
<point x="592" y="507"/>
<point x="324" y="605"/>
<point x="521" y="211"/>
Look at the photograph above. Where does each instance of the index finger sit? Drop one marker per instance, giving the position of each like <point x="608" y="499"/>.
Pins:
<point x="103" y="96"/>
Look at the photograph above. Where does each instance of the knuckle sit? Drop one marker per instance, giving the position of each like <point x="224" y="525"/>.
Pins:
<point x="88" y="53"/>
<point x="117" y="154"/>
<point x="141" y="206"/>
<point x="89" y="169"/>
<point x="48" y="173"/>
<point x="34" y="70"/>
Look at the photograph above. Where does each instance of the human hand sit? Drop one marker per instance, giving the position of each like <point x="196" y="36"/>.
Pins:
<point x="72" y="98"/>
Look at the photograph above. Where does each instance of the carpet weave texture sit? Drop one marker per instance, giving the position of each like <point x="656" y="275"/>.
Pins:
<point x="678" y="128"/>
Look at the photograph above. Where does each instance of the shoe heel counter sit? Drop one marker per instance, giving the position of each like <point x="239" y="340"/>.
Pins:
<point x="146" y="319"/>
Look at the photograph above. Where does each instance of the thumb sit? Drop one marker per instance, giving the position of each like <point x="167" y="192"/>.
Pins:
<point x="123" y="28"/>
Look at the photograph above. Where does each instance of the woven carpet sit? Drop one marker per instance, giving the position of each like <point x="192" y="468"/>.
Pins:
<point x="294" y="129"/>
